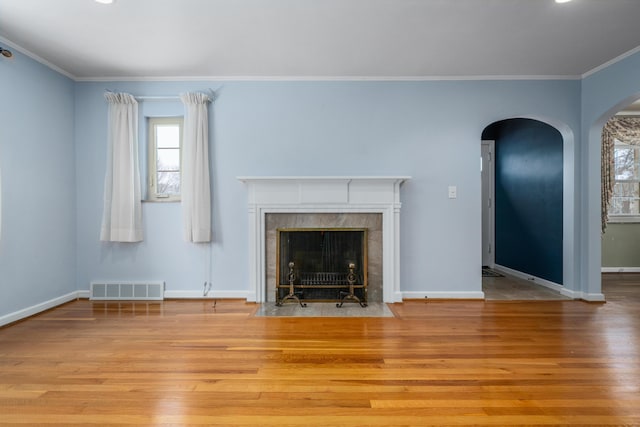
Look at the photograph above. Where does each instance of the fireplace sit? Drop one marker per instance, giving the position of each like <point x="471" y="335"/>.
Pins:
<point x="321" y="264"/>
<point x="370" y="223"/>
<point x="368" y="203"/>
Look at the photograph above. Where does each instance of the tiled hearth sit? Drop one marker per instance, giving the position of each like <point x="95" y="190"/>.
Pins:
<point x="324" y="309"/>
<point x="363" y="202"/>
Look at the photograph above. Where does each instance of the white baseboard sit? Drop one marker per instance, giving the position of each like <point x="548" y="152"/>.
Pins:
<point x="397" y="297"/>
<point x="620" y="269"/>
<point x="38" y="308"/>
<point x="591" y="297"/>
<point x="443" y="295"/>
<point x="538" y="281"/>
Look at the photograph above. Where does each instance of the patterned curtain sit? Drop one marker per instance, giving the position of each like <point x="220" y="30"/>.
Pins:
<point x="623" y="129"/>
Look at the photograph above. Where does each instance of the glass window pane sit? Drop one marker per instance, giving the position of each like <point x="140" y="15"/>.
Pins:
<point x="626" y="189"/>
<point x="164" y="158"/>
<point x="168" y="136"/>
<point x="624" y="206"/>
<point x="626" y="162"/>
<point x="168" y="183"/>
<point x="168" y="159"/>
<point x="626" y="199"/>
<point x="614" y="207"/>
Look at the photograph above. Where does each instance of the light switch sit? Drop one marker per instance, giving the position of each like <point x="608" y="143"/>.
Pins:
<point x="453" y="192"/>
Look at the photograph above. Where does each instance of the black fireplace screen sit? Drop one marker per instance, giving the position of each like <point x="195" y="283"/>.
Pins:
<point x="321" y="258"/>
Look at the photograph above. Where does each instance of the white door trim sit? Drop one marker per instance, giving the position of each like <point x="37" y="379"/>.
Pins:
<point x="487" y="177"/>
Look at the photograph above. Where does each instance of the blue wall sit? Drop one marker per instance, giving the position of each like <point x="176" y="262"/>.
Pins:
<point x="528" y="197"/>
<point x="430" y="130"/>
<point x="37" y="162"/>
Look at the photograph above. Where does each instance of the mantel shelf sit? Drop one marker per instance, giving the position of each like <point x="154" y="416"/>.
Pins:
<point x="324" y="178"/>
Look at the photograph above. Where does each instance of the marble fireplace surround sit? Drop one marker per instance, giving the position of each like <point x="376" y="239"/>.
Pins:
<point x="324" y="195"/>
<point x="371" y="221"/>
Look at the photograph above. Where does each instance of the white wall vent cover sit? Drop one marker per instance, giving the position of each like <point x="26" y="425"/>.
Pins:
<point x="149" y="291"/>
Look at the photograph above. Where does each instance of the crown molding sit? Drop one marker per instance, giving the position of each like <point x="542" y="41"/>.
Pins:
<point x="323" y="78"/>
<point x="611" y="62"/>
<point x="37" y="58"/>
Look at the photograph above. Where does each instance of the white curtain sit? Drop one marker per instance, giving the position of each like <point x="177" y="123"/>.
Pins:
<point x="195" y="191"/>
<point x="122" y="215"/>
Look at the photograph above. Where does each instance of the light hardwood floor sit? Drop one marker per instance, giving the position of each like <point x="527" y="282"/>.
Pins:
<point x="435" y="363"/>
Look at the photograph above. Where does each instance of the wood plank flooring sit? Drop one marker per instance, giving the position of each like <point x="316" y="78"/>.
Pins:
<point x="435" y="363"/>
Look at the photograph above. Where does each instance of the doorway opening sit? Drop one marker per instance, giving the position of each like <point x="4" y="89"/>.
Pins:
<point x="620" y="249"/>
<point x="522" y="201"/>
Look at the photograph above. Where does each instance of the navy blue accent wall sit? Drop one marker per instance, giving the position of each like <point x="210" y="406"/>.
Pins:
<point x="528" y="197"/>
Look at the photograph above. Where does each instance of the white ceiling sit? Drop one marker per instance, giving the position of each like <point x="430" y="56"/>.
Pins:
<point x="134" y="39"/>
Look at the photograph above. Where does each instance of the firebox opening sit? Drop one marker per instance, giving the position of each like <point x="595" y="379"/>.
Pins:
<point x="321" y="258"/>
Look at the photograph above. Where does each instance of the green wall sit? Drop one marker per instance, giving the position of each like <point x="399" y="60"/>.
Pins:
<point x="621" y="245"/>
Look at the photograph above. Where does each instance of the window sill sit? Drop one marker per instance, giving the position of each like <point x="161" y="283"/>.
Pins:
<point x="624" y="220"/>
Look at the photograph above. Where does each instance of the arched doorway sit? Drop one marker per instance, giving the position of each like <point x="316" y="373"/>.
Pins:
<point x="591" y="241"/>
<point x="526" y="236"/>
<point x="621" y="233"/>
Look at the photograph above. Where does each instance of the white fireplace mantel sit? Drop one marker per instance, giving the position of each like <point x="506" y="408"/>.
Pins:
<point x="325" y="194"/>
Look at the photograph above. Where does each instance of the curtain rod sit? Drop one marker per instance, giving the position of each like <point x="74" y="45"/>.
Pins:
<point x="210" y="92"/>
<point x="156" y="98"/>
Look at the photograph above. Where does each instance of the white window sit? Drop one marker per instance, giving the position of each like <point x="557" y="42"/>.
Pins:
<point x="165" y="143"/>
<point x="625" y="203"/>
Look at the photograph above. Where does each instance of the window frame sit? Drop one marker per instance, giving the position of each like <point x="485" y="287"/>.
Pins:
<point x="631" y="217"/>
<point x="152" y="156"/>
